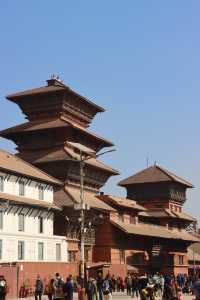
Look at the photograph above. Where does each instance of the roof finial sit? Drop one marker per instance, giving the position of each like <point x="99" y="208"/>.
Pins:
<point x="147" y="161"/>
<point x="55" y="80"/>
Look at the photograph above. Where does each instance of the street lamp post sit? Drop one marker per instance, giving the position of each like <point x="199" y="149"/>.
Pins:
<point x="82" y="258"/>
<point x="83" y="207"/>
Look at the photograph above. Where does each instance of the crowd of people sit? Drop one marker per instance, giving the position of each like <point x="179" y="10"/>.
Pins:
<point x="152" y="287"/>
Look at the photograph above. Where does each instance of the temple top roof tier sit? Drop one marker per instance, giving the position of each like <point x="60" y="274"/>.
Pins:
<point x="154" y="174"/>
<point x="56" y="99"/>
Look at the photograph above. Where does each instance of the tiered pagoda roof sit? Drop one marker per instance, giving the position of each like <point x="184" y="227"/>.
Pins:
<point x="56" y="135"/>
<point x="154" y="174"/>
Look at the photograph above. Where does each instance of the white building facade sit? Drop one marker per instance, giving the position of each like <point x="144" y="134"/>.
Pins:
<point x="27" y="214"/>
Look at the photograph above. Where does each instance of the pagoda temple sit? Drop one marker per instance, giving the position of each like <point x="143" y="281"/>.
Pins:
<point x="54" y="138"/>
<point x="145" y="232"/>
<point x="148" y="231"/>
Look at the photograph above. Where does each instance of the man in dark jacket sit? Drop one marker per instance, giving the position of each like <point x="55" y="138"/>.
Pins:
<point x="39" y="288"/>
<point x="3" y="288"/>
<point x="68" y="288"/>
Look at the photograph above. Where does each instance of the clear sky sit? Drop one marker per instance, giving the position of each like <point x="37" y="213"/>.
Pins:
<point x="138" y="59"/>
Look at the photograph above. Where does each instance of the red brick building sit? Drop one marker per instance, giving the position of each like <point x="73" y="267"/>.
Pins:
<point x="145" y="232"/>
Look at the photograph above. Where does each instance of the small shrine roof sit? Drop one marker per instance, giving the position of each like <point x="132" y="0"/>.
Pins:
<point x="55" y="87"/>
<point x="27" y="201"/>
<point x="154" y="231"/>
<point x="89" y="198"/>
<point x="120" y="201"/>
<point x="14" y="164"/>
<point x="154" y="174"/>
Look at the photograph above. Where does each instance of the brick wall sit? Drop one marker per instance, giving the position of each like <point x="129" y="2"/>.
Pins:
<point x="26" y="273"/>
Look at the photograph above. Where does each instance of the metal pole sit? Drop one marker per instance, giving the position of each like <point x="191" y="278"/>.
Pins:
<point x="194" y="264"/>
<point x="82" y="231"/>
<point x="82" y="258"/>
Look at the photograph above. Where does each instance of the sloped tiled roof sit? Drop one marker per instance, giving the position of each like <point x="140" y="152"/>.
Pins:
<point x="92" y="161"/>
<point x="27" y="201"/>
<point x="56" y="88"/>
<point x="52" y="123"/>
<point x="154" y="231"/>
<point x="14" y="164"/>
<point x="166" y="213"/>
<point x="89" y="198"/>
<point x="119" y="201"/>
<point x="154" y="174"/>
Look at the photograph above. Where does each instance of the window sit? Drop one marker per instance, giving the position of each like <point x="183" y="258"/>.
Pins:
<point x="71" y="256"/>
<point x="21" y="246"/>
<point x="21" y="219"/>
<point x="1" y="219"/>
<point x="122" y="256"/>
<point x="40" y="251"/>
<point x="87" y="254"/>
<point x="181" y="259"/>
<point x="58" y="252"/>
<point x="1" y="184"/>
<point x="40" y="224"/>
<point x="41" y="192"/>
<point x="21" y="188"/>
<point x="133" y="219"/>
<point x="121" y="217"/>
<point x="1" y="248"/>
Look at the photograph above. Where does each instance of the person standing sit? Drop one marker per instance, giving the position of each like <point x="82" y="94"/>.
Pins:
<point x="39" y="288"/>
<point x="107" y="289"/>
<point x="50" y="289"/>
<point x="58" y="287"/>
<point x="128" y="281"/>
<point x="162" y="284"/>
<point x="3" y="288"/>
<point x="196" y="287"/>
<point x="100" y="285"/>
<point x="135" y="286"/>
<point x="91" y="289"/>
<point x="68" y="288"/>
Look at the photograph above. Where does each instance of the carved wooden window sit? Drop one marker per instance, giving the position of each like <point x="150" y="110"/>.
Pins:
<point x="181" y="259"/>
<point x="87" y="254"/>
<point x="122" y="256"/>
<point x="121" y="217"/>
<point x="71" y="256"/>
<point x="133" y="219"/>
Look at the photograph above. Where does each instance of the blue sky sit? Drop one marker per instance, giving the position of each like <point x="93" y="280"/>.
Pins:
<point x="138" y="59"/>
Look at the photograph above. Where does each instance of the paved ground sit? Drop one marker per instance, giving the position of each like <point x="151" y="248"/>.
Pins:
<point x="124" y="297"/>
<point x="117" y="296"/>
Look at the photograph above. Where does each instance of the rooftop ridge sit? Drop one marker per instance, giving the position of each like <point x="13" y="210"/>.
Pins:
<point x="148" y="176"/>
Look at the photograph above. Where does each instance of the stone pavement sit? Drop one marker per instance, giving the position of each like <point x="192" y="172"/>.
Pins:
<point x="116" y="296"/>
<point x="122" y="296"/>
